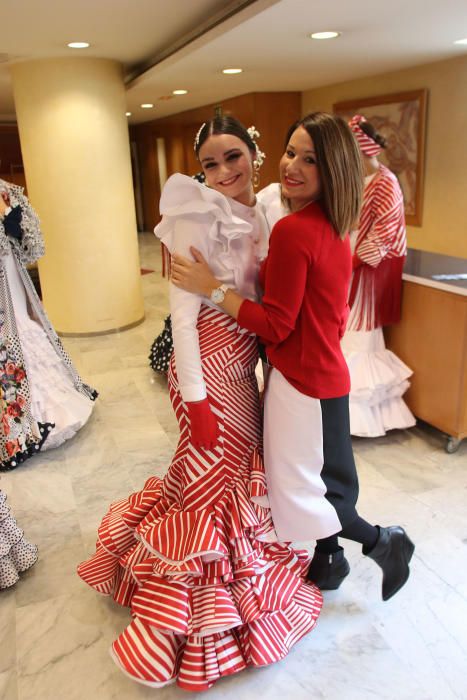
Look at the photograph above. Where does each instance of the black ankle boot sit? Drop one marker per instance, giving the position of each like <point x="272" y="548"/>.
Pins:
<point x="392" y="552"/>
<point x="328" y="571"/>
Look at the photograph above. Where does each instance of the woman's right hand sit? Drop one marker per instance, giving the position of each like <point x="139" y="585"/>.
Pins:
<point x="4" y="202"/>
<point x="204" y="430"/>
<point x="195" y="277"/>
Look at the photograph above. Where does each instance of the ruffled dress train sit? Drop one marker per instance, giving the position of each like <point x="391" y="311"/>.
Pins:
<point x="54" y="398"/>
<point x="195" y="555"/>
<point x="16" y="553"/>
<point x="379" y="379"/>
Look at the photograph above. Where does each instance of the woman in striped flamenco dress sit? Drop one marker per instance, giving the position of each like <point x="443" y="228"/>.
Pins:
<point x="379" y="245"/>
<point x="195" y="555"/>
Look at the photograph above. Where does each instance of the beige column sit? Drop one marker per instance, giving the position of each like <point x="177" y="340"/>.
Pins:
<point x="74" y="139"/>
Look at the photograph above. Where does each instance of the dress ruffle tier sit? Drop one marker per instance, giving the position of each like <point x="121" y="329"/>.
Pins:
<point x="194" y="555"/>
<point x="208" y="593"/>
<point x="379" y="379"/>
<point x="16" y="553"/>
<point x="54" y="399"/>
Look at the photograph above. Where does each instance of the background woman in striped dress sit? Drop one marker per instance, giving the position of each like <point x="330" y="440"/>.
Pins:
<point x="379" y="246"/>
<point x="195" y="554"/>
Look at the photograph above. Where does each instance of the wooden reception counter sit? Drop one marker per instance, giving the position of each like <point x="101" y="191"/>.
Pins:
<point x="432" y="339"/>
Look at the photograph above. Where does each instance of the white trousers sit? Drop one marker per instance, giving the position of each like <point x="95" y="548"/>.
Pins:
<point x="293" y="460"/>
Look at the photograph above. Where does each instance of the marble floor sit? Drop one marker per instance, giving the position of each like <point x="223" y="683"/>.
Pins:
<point x="55" y="632"/>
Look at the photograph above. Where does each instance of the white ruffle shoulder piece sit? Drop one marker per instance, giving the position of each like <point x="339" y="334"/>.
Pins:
<point x="271" y="201"/>
<point x="183" y="196"/>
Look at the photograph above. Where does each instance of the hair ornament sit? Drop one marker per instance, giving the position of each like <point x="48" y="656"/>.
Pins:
<point x="254" y="134"/>
<point x="198" y="134"/>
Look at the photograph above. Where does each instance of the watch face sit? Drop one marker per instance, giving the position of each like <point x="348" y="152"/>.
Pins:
<point x="217" y="296"/>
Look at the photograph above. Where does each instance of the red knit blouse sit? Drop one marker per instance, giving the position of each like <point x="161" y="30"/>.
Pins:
<point x="301" y="319"/>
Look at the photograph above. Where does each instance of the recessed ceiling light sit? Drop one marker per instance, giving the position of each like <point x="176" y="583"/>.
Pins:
<point x="78" y="45"/>
<point x="180" y="92"/>
<point x="461" y="41"/>
<point x="324" y="35"/>
<point x="147" y="105"/>
<point x="232" y="71"/>
<point x="127" y="114"/>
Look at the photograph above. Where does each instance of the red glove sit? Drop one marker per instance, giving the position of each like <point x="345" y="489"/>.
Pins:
<point x="204" y="430"/>
<point x="344" y="319"/>
<point x="356" y="262"/>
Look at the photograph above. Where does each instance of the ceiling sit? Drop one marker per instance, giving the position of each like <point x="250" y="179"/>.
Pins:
<point x="169" y="44"/>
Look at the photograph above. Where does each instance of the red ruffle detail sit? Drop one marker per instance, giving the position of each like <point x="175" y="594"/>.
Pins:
<point x="150" y="656"/>
<point x="207" y="597"/>
<point x="376" y="295"/>
<point x="195" y="555"/>
<point x="184" y="534"/>
<point x="258" y="486"/>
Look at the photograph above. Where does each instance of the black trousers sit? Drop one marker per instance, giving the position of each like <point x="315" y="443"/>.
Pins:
<point x="339" y="472"/>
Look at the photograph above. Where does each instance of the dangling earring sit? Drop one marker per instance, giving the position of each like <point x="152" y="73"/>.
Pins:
<point x="256" y="167"/>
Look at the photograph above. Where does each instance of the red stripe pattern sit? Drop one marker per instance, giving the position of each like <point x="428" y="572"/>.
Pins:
<point x="381" y="228"/>
<point x="365" y="142"/>
<point x="194" y="555"/>
<point x="382" y="245"/>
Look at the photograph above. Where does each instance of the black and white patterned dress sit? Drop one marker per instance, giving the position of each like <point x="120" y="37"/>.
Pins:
<point x="162" y="348"/>
<point x="16" y="553"/>
<point x="43" y="400"/>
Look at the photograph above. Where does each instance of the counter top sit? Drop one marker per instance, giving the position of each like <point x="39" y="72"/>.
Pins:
<point x="434" y="270"/>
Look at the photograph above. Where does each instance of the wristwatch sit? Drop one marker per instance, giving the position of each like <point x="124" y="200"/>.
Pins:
<point x="218" y="294"/>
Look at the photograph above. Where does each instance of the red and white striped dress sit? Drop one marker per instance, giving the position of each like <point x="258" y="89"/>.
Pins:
<point x="378" y="377"/>
<point x="195" y="555"/>
<point x="381" y="244"/>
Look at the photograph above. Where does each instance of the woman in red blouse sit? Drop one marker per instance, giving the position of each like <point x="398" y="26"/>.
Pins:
<point x="310" y="469"/>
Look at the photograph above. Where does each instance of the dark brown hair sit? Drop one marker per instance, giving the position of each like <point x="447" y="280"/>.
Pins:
<point x="370" y="131"/>
<point x="339" y="165"/>
<point x="224" y="125"/>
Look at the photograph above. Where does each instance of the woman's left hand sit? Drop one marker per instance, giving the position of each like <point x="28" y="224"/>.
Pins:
<point x="195" y="277"/>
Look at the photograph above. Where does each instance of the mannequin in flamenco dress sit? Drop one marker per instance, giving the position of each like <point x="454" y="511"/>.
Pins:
<point x="195" y="554"/>
<point x="379" y="378"/>
<point x="43" y="400"/>
<point x="16" y="553"/>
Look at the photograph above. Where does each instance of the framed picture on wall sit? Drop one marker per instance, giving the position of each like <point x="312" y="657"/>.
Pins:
<point x="400" y="117"/>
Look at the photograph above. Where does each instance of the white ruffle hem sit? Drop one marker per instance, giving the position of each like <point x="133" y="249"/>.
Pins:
<point x="54" y="398"/>
<point x="379" y="379"/>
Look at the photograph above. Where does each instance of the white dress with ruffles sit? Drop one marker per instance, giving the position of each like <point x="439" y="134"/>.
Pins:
<point x="54" y="398"/>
